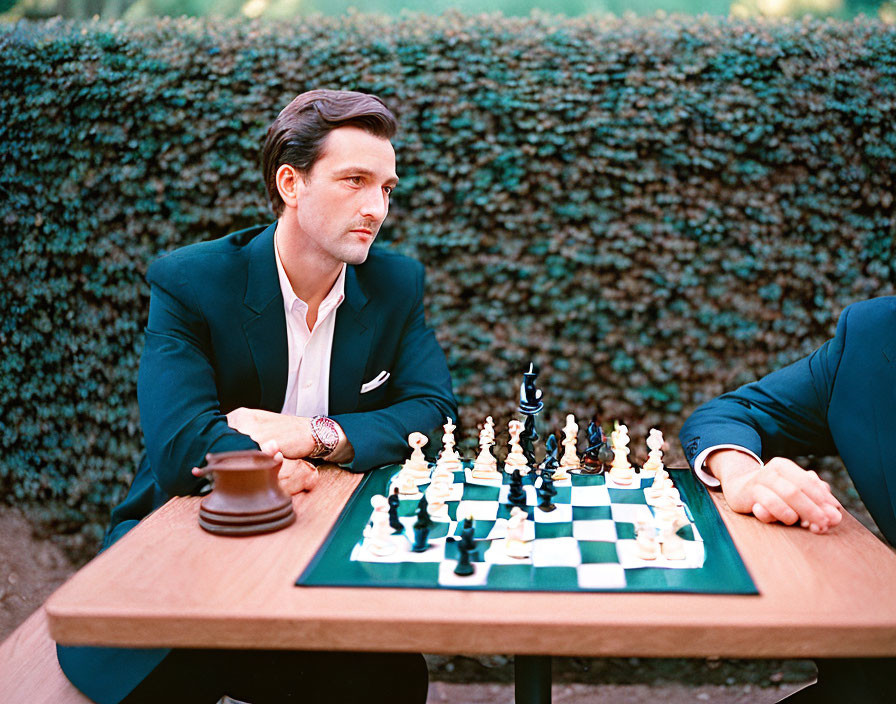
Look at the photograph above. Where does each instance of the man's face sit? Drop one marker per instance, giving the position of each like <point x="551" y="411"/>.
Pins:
<point x="344" y="199"/>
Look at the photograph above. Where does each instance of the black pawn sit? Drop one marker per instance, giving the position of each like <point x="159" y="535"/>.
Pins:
<point x="466" y="546"/>
<point x="516" y="495"/>
<point x="605" y="455"/>
<point x="546" y="492"/>
<point x="422" y="526"/>
<point x="394" y="501"/>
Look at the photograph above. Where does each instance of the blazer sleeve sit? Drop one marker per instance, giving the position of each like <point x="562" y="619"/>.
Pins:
<point x="176" y="390"/>
<point x="420" y="400"/>
<point x="782" y="414"/>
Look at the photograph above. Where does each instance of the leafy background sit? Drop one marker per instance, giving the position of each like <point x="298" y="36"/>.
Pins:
<point x="655" y="210"/>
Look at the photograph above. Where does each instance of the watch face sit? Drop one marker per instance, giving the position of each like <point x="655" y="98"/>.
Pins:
<point x="326" y="432"/>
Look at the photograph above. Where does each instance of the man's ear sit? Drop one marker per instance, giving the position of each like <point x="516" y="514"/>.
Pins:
<point x="290" y="185"/>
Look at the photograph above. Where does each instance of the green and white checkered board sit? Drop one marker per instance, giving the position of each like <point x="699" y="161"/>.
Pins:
<point x="587" y="543"/>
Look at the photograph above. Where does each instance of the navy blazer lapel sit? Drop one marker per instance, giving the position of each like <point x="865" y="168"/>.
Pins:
<point x="351" y="346"/>
<point x="265" y="328"/>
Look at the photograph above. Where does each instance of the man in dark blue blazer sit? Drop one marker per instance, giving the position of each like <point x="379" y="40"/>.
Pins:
<point x="841" y="399"/>
<point x="298" y="340"/>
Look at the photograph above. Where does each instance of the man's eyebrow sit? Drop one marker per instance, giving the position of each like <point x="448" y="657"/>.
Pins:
<point x="361" y="171"/>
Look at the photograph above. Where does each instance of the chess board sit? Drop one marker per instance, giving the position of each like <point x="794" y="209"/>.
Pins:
<point x="587" y="543"/>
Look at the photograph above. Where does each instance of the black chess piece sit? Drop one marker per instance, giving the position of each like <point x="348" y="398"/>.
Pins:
<point x="546" y="492"/>
<point x="516" y="495"/>
<point x="605" y="455"/>
<point x="591" y="463"/>
<point x="466" y="547"/>
<point x="551" y="461"/>
<point x="394" y="501"/>
<point x="530" y="396"/>
<point x="527" y="440"/>
<point x="422" y="526"/>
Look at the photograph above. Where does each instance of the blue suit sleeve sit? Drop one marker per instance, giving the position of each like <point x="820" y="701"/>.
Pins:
<point x="421" y="396"/>
<point x="782" y="414"/>
<point x="176" y="391"/>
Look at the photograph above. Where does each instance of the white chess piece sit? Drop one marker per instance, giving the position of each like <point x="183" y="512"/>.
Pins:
<point x="570" y="459"/>
<point x="653" y="492"/>
<point x="655" y="443"/>
<point x="436" y="497"/>
<point x="407" y="483"/>
<point x="621" y="471"/>
<point x="515" y="458"/>
<point x="673" y="544"/>
<point x="379" y="533"/>
<point x="449" y="461"/>
<point x="486" y="466"/>
<point x="515" y="545"/>
<point x="416" y="465"/>
<point x="648" y="548"/>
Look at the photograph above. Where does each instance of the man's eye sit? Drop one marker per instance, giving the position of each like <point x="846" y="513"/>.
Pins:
<point x="388" y="190"/>
<point x="355" y="180"/>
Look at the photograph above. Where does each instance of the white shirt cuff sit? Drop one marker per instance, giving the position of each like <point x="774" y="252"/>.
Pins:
<point x="708" y="478"/>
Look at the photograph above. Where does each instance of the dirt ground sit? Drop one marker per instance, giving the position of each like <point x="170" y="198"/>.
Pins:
<point x="32" y="568"/>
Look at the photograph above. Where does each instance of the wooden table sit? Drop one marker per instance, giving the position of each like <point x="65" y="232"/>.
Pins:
<point x="169" y="583"/>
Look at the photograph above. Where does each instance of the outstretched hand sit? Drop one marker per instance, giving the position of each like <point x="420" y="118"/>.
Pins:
<point x="780" y="490"/>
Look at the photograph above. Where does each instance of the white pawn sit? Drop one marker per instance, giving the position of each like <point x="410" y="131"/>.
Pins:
<point x="657" y="488"/>
<point x="436" y="497"/>
<point x="515" y="545"/>
<point x="648" y="548"/>
<point x="673" y="544"/>
<point x="570" y="459"/>
<point x="407" y="484"/>
<point x="378" y="535"/>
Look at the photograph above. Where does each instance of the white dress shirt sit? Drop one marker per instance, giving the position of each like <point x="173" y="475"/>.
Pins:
<point x="308" y="383"/>
<point x="704" y="475"/>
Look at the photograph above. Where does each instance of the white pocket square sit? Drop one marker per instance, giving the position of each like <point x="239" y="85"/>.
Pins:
<point x="376" y="382"/>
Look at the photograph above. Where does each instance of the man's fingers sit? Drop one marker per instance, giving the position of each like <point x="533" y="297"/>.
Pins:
<point x="297" y="476"/>
<point x="312" y="479"/>
<point x="762" y="514"/>
<point x="771" y="504"/>
<point x="271" y="448"/>
<point x="834" y="515"/>
<point x="799" y="501"/>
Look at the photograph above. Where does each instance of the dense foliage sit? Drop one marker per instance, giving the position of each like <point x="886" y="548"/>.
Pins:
<point x="654" y="210"/>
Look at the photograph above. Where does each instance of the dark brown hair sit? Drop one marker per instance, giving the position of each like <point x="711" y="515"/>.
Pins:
<point x="296" y="137"/>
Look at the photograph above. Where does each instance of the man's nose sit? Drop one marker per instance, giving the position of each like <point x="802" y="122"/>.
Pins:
<point x="375" y="205"/>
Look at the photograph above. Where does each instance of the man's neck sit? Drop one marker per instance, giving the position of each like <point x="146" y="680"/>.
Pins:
<point x="311" y="274"/>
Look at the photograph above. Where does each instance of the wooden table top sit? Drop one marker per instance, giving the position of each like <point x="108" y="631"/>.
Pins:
<point x="170" y="583"/>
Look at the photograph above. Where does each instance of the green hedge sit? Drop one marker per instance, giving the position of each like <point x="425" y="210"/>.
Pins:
<point x="655" y="210"/>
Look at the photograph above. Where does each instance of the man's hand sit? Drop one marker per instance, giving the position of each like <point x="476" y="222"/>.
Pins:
<point x="269" y="448"/>
<point x="780" y="490"/>
<point x="292" y="434"/>
<point x="297" y="476"/>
